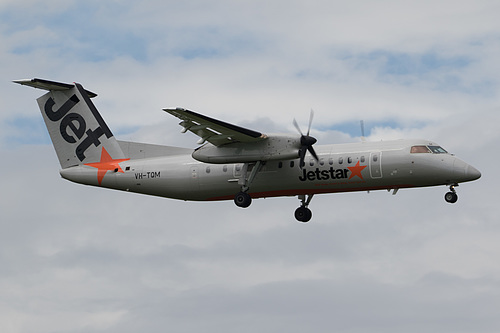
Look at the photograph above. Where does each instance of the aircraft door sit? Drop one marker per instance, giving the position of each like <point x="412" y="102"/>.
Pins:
<point x="237" y="170"/>
<point x="376" y="164"/>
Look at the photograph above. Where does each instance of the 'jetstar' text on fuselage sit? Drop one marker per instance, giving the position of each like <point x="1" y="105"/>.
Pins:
<point x="323" y="174"/>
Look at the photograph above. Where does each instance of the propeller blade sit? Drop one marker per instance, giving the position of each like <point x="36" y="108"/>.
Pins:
<point x="311" y="116"/>
<point x="302" y="155"/>
<point x="313" y="153"/>
<point x="362" y="123"/>
<point x="297" y="126"/>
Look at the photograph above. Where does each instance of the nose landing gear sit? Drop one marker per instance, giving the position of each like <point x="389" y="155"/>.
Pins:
<point x="452" y="196"/>
<point x="304" y="214"/>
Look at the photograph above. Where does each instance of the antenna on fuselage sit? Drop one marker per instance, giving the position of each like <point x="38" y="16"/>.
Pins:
<point x="362" y="124"/>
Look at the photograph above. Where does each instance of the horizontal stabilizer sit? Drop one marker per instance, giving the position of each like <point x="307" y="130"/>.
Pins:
<point x="50" y="85"/>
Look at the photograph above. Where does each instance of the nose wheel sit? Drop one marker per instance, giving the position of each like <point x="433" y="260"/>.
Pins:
<point x="452" y="196"/>
<point x="304" y="214"/>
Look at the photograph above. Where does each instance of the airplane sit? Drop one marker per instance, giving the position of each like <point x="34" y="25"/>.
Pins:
<point x="232" y="162"/>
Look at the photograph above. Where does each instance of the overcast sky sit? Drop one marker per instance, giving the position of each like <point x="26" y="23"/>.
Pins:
<point x="82" y="259"/>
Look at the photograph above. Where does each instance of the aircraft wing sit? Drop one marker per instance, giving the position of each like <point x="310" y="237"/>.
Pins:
<point x="216" y="132"/>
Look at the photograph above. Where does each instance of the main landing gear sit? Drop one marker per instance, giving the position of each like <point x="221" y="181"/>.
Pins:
<point x="304" y="214"/>
<point x="243" y="199"/>
<point x="451" y="197"/>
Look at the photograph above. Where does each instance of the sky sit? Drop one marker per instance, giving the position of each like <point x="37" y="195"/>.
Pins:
<point x="82" y="259"/>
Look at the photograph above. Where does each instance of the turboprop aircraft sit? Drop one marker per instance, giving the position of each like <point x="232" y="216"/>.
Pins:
<point x="232" y="162"/>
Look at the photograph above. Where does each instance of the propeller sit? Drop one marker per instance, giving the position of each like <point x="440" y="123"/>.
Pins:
<point x="306" y="141"/>
<point x="362" y="124"/>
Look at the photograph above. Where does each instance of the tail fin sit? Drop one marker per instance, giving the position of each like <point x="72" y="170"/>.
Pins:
<point x="77" y="130"/>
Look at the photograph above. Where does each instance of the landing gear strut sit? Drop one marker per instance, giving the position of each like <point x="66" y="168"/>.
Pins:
<point x="451" y="197"/>
<point x="243" y="199"/>
<point x="304" y="214"/>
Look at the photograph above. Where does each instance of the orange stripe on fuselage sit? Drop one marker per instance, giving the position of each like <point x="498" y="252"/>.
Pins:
<point x="279" y="193"/>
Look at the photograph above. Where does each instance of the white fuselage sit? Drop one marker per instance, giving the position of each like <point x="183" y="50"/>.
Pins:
<point x="341" y="168"/>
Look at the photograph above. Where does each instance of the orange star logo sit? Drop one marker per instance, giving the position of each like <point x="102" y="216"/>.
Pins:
<point x="356" y="170"/>
<point x="106" y="164"/>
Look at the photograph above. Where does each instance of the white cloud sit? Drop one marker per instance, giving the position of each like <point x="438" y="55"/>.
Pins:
<point x="78" y="258"/>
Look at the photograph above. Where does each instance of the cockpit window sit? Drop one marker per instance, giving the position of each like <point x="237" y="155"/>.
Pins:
<point x="428" y="149"/>
<point x="419" y="149"/>
<point x="438" y="150"/>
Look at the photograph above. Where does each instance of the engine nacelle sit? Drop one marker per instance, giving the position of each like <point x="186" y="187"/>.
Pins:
<point x="274" y="147"/>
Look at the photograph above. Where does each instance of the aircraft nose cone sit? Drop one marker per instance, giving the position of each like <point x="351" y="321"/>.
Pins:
<point x="472" y="173"/>
<point x="464" y="172"/>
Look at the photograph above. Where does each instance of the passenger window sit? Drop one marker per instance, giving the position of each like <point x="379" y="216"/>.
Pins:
<point x="292" y="163"/>
<point x="280" y="165"/>
<point x="238" y="167"/>
<point x="362" y="159"/>
<point x="349" y="160"/>
<point x="208" y="169"/>
<point x="311" y="162"/>
<point x="419" y="149"/>
<point x="375" y="158"/>
<point x="330" y="161"/>
<point x="224" y="168"/>
<point x="321" y="162"/>
<point x="341" y="160"/>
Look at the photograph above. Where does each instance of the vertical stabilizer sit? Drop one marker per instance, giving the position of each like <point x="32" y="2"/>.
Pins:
<point x="77" y="130"/>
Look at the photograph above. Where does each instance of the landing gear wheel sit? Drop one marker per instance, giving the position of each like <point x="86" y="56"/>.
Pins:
<point x="303" y="214"/>
<point x="451" y="197"/>
<point x="242" y="199"/>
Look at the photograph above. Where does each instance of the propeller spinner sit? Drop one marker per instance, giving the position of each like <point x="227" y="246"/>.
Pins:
<point x="306" y="141"/>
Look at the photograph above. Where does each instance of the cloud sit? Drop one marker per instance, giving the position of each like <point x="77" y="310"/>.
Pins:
<point x="80" y="258"/>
